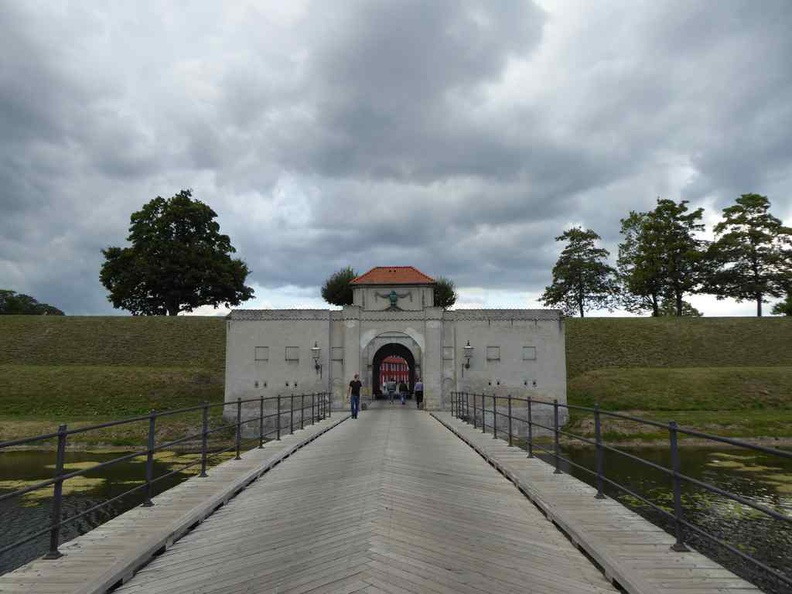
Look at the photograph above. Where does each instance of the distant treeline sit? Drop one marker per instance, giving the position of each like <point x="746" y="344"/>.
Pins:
<point x="661" y="260"/>
<point x="19" y="304"/>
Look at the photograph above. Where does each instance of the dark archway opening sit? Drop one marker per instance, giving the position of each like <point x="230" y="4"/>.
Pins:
<point x="392" y="350"/>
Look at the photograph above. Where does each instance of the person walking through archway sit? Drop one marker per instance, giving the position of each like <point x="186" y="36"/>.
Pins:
<point x="354" y="395"/>
<point x="402" y="392"/>
<point x="419" y="390"/>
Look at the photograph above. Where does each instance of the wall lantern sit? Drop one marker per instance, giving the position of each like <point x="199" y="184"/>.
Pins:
<point x="468" y="354"/>
<point x="316" y="351"/>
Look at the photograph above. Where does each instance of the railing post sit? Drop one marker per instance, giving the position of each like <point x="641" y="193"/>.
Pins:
<point x="302" y="411"/>
<point x="261" y="422"/>
<point x="483" y="413"/>
<point x="313" y="408"/>
<point x="57" y="501"/>
<point x="204" y="438"/>
<point x="556" y="445"/>
<point x="238" y="429"/>
<point x="467" y="407"/>
<point x="291" y="414"/>
<point x="510" y="421"/>
<point x="475" y="425"/>
<point x="679" y="545"/>
<point x="150" y="460"/>
<point x="494" y="417"/>
<point x="330" y="404"/>
<point x="279" y="420"/>
<point x="530" y="428"/>
<point x="600" y="451"/>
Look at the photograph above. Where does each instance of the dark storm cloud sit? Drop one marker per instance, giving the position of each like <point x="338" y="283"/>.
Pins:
<point x="459" y="137"/>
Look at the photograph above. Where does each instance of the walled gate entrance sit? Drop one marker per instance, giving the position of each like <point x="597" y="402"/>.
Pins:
<point x="396" y="350"/>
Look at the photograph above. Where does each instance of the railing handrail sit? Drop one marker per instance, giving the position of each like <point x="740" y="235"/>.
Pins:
<point x="320" y="406"/>
<point x="461" y="408"/>
<point x="136" y="419"/>
<point x="658" y="424"/>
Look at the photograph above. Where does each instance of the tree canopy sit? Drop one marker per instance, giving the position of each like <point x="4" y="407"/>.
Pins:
<point x="751" y="257"/>
<point x="178" y="260"/>
<point x="660" y="259"/>
<point x="582" y="280"/>
<point x="13" y="303"/>
<point x="337" y="289"/>
<point x="444" y="292"/>
<point x="669" y="308"/>
<point x="783" y="308"/>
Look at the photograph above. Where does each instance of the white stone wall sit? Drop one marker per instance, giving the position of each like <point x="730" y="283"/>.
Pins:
<point x="517" y="352"/>
<point x="269" y="353"/>
<point x="521" y="352"/>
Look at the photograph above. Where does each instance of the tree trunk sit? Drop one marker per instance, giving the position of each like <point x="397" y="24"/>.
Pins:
<point x="172" y="308"/>
<point x="655" y="306"/>
<point x="679" y="305"/>
<point x="758" y="305"/>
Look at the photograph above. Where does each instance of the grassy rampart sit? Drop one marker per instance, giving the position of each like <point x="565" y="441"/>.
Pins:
<point x="84" y="370"/>
<point x="730" y="376"/>
<point x="725" y="375"/>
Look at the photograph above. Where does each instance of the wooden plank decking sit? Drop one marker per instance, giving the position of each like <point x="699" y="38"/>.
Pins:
<point x="391" y="502"/>
<point x="631" y="550"/>
<point x="112" y="552"/>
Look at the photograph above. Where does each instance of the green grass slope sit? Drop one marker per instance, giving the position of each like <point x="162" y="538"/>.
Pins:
<point x="100" y="341"/>
<point x="90" y="369"/>
<point x="596" y="343"/>
<point x="729" y="375"/>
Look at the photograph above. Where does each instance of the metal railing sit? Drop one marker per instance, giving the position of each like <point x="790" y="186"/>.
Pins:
<point x="314" y="406"/>
<point x="474" y="408"/>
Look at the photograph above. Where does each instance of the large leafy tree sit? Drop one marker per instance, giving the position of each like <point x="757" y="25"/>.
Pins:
<point x="752" y="254"/>
<point x="13" y="303"/>
<point x="337" y="289"/>
<point x="178" y="261"/>
<point x="582" y="279"/>
<point x="639" y="269"/>
<point x="660" y="258"/>
<point x="444" y="292"/>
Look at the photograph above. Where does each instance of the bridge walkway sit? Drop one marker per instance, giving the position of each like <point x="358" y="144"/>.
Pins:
<point x="631" y="550"/>
<point x="391" y="502"/>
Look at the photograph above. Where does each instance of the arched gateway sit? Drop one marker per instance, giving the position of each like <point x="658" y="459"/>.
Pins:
<point x="518" y="352"/>
<point x="391" y="349"/>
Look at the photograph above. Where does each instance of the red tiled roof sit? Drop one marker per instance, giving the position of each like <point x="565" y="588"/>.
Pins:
<point x="393" y="275"/>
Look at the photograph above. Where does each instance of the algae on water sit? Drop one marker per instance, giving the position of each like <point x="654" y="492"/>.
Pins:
<point x="73" y="486"/>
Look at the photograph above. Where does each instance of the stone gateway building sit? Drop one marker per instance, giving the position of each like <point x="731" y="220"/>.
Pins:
<point x="516" y="351"/>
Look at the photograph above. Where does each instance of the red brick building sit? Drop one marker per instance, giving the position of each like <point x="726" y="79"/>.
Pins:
<point x="394" y="369"/>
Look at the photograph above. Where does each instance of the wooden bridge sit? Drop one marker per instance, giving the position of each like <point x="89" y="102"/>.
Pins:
<point x="396" y="501"/>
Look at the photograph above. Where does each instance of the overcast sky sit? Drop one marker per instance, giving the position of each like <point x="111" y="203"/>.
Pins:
<point x="457" y="136"/>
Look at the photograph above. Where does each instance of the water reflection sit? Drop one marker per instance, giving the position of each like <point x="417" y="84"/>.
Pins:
<point x="762" y="479"/>
<point x="30" y="513"/>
